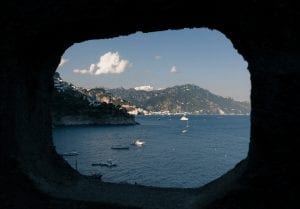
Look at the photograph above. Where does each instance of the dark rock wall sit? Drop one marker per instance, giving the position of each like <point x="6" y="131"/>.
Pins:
<point x="34" y="34"/>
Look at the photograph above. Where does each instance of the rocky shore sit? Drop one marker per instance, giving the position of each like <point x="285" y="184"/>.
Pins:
<point x="86" y="120"/>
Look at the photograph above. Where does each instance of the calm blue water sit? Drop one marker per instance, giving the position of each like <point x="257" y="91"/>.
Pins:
<point x="211" y="146"/>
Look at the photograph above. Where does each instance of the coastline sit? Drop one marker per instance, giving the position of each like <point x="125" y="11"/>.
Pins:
<point x="88" y="121"/>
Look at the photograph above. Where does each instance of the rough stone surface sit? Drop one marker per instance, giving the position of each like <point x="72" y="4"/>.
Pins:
<point x="34" y="35"/>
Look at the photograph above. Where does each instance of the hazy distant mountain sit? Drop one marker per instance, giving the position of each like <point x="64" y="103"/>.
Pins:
<point x="179" y="99"/>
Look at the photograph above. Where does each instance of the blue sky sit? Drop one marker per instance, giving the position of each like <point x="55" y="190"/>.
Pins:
<point x="160" y="59"/>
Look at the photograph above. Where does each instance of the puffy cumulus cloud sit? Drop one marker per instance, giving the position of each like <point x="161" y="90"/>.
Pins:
<point x="110" y="62"/>
<point x="144" y="88"/>
<point x="173" y="69"/>
<point x="62" y="62"/>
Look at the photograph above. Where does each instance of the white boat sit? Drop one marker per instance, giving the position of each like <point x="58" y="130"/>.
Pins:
<point x="138" y="142"/>
<point x="184" y="118"/>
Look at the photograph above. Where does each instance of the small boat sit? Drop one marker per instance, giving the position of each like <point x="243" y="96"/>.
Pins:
<point x="96" y="175"/>
<point x="108" y="164"/>
<point x="73" y="153"/>
<point x="119" y="147"/>
<point x="184" y="118"/>
<point x="184" y="131"/>
<point x="138" y="142"/>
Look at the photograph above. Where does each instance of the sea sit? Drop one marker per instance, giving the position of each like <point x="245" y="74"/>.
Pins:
<point x="176" y="153"/>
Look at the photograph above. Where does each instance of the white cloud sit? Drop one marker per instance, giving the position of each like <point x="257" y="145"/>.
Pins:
<point x="62" y="62"/>
<point x="157" y="57"/>
<point x="84" y="71"/>
<point x="110" y="62"/>
<point x="173" y="69"/>
<point x="144" y="88"/>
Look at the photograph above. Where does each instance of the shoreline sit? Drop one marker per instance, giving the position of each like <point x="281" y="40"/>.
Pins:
<point x="92" y="124"/>
<point x="191" y="114"/>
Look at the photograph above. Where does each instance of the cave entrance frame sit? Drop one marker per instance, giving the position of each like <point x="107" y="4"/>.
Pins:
<point x="272" y="54"/>
<point x="200" y="196"/>
<point x="143" y="40"/>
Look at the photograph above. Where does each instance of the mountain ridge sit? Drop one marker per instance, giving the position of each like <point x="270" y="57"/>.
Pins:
<point x="187" y="98"/>
<point x="178" y="99"/>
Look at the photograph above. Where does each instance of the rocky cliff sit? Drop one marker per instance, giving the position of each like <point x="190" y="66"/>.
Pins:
<point x="72" y="106"/>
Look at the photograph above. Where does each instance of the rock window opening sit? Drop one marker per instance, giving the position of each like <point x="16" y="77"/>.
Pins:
<point x="105" y="88"/>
